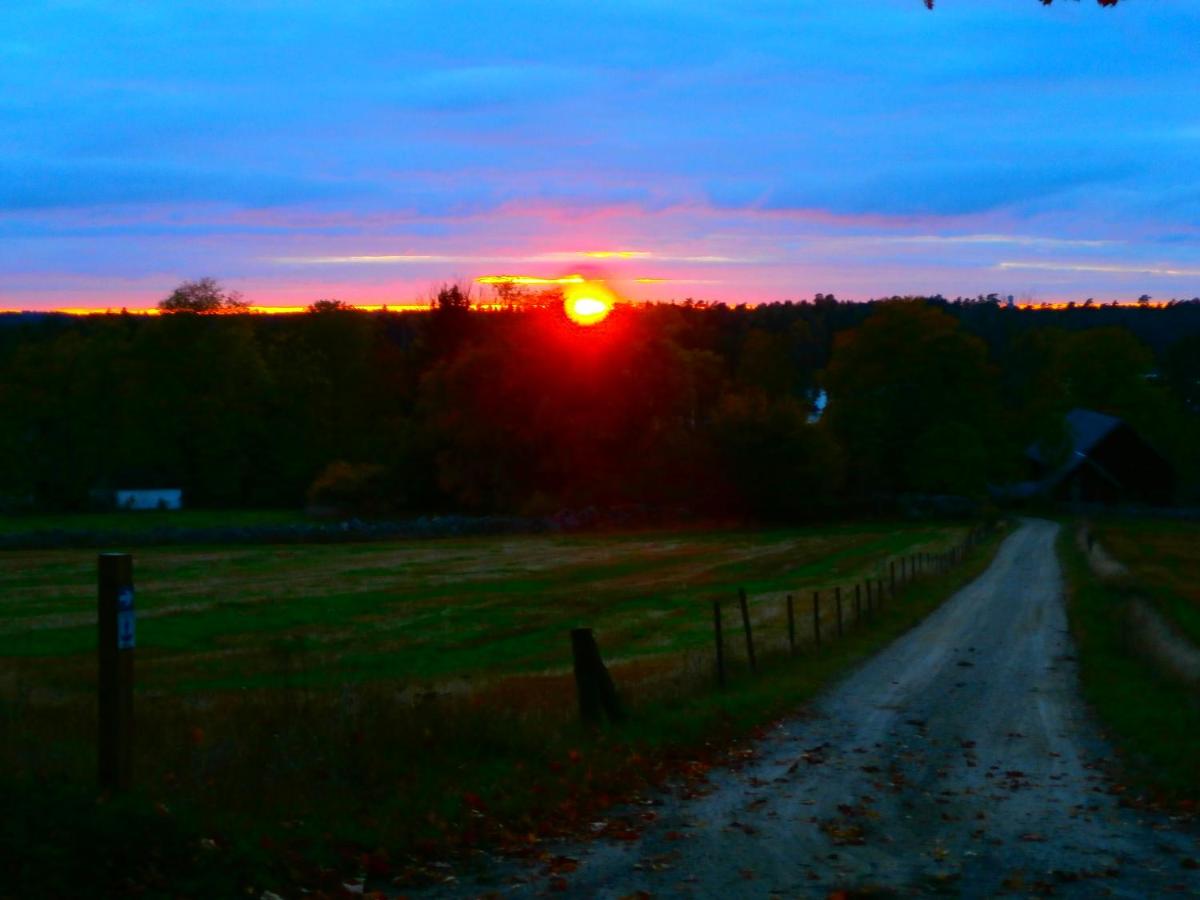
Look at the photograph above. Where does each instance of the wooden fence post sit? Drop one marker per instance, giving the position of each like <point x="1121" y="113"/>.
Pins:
<point x="892" y="566"/>
<point x="816" y="614"/>
<point x="595" y="686"/>
<point x="857" y="604"/>
<point x="720" y="643"/>
<point x="746" y="625"/>
<point x="791" y="611"/>
<point x="116" y="636"/>
<point x="837" y="596"/>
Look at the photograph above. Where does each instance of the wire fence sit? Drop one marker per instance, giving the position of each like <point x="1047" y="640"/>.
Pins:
<point x="748" y="629"/>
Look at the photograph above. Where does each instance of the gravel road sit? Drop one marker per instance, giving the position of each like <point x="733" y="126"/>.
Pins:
<point x="959" y="761"/>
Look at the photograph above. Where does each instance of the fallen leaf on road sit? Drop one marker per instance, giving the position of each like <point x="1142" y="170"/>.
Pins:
<point x="561" y="865"/>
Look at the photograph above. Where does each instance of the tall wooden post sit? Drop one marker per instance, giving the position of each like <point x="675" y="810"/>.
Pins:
<point x="816" y="614"/>
<point x="791" y="611"/>
<point x="597" y="693"/>
<point x="857" y="604"/>
<point x="117" y="636"/>
<point x="749" y="633"/>
<point x="892" y="566"/>
<point x="720" y="643"/>
<point x="837" y="597"/>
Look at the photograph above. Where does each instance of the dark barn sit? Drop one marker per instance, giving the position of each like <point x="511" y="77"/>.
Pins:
<point x="1107" y="462"/>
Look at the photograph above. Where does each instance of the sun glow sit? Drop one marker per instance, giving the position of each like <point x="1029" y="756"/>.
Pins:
<point x="588" y="303"/>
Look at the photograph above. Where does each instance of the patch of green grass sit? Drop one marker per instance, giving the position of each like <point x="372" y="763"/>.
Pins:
<point x="61" y="841"/>
<point x="1154" y="721"/>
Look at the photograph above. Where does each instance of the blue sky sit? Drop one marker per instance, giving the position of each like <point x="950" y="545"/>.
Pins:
<point x="738" y="151"/>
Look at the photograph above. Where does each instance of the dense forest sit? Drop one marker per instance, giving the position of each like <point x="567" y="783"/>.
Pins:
<point x="710" y="407"/>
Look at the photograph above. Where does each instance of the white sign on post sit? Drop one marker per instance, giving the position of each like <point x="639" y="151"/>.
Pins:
<point x="126" y="627"/>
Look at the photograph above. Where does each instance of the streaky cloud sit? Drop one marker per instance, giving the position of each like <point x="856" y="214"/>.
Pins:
<point x="1167" y="271"/>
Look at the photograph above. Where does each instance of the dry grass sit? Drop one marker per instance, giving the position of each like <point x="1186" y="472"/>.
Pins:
<point x="1152" y="718"/>
<point x="1163" y="559"/>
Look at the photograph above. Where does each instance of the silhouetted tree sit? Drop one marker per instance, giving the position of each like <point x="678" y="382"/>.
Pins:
<point x="204" y="296"/>
<point x="328" y="306"/>
<point x="452" y="298"/>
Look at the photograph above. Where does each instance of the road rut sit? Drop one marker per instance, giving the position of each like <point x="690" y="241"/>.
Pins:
<point x="959" y="761"/>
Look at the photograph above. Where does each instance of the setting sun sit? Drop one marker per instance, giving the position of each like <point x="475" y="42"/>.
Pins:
<point x="588" y="303"/>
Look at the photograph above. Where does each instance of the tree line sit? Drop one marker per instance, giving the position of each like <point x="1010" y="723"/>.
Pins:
<point x="780" y="411"/>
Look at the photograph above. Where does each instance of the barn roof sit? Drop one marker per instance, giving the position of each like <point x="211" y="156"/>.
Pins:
<point x="1086" y="428"/>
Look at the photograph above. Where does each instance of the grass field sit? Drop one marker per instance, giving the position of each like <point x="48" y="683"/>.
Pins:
<point x="1153" y="720"/>
<point x="212" y="619"/>
<point x="407" y="696"/>
<point x="1164" y="562"/>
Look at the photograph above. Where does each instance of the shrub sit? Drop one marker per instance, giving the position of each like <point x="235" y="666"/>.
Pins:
<point x="345" y="487"/>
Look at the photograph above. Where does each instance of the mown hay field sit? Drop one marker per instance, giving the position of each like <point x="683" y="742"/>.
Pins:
<point x="425" y="612"/>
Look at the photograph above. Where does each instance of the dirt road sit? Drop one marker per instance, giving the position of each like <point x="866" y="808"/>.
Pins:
<point x="959" y="761"/>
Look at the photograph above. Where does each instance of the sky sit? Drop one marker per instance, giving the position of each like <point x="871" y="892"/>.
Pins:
<point x="737" y="151"/>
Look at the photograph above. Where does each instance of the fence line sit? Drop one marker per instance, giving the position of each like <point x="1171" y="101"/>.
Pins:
<point x="871" y="592"/>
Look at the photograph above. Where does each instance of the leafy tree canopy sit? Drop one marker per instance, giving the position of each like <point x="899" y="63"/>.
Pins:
<point x="205" y="296"/>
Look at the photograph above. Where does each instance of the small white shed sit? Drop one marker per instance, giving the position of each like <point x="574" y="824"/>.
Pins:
<point x="149" y="498"/>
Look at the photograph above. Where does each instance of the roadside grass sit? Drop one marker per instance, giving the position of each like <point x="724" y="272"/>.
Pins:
<point x="300" y="778"/>
<point x="1163" y="557"/>
<point x="1153" y="720"/>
